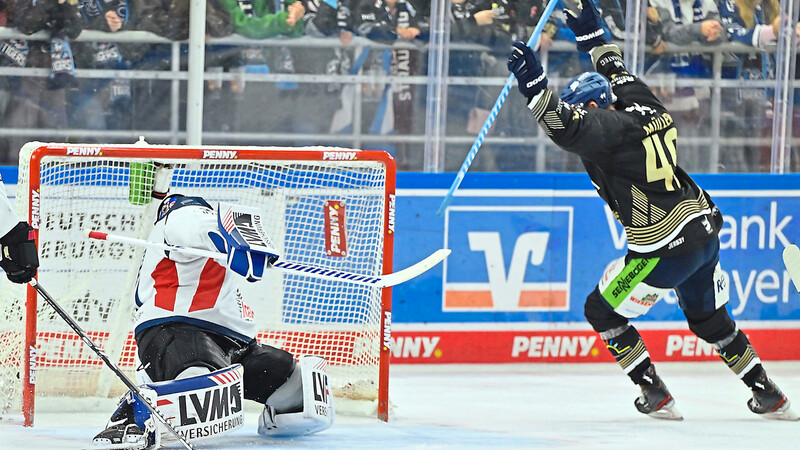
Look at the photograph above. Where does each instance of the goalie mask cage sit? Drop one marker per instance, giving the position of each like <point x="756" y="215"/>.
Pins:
<point x="327" y="207"/>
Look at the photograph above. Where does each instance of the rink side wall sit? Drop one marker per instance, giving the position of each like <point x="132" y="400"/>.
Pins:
<point x="528" y="248"/>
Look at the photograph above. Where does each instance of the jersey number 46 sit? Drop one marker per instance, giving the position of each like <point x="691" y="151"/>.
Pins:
<point x="661" y="164"/>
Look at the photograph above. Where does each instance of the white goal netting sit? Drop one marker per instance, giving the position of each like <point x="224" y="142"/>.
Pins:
<point x="64" y="190"/>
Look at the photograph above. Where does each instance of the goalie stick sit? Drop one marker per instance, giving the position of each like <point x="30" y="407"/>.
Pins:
<point x="791" y="259"/>
<point x="89" y="342"/>
<point x="380" y="281"/>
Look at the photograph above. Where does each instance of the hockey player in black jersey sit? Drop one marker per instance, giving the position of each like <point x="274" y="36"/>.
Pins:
<point x="627" y="142"/>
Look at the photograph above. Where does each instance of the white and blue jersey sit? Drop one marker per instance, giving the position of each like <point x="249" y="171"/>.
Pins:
<point x="176" y="287"/>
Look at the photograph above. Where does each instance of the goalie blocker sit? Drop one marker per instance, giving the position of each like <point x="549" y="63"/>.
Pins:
<point x="243" y="238"/>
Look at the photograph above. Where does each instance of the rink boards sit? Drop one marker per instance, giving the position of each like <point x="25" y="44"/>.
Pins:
<point x="528" y="248"/>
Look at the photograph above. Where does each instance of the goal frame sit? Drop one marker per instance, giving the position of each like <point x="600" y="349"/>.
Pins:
<point x="209" y="153"/>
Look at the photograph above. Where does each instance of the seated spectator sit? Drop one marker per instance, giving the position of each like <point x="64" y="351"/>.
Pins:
<point x="613" y="12"/>
<point x="686" y="22"/>
<point x="387" y="20"/>
<point x="747" y="111"/>
<point x="62" y="21"/>
<point x="170" y="18"/>
<point x="323" y="19"/>
<point x="258" y="19"/>
<point x="474" y="21"/>
<point x="102" y="103"/>
<point x="37" y="102"/>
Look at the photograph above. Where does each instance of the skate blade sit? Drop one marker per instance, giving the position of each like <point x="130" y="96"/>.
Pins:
<point x="785" y="412"/>
<point x="122" y="446"/>
<point x="667" y="412"/>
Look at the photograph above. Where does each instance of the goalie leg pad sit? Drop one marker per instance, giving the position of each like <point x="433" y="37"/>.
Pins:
<point x="289" y="396"/>
<point x="204" y="406"/>
<point x="318" y="411"/>
<point x="266" y="369"/>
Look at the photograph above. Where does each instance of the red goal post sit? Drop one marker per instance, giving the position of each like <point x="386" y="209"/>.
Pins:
<point x="329" y="207"/>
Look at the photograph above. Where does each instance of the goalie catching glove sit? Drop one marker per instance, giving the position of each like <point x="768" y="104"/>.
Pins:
<point x="19" y="259"/>
<point x="242" y="236"/>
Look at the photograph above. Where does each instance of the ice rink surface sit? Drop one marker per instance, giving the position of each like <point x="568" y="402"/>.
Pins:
<point x="510" y="406"/>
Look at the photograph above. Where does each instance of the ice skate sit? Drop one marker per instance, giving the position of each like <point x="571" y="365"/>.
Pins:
<point x="655" y="400"/>
<point x="122" y="432"/>
<point x="769" y="402"/>
<point x="123" y="436"/>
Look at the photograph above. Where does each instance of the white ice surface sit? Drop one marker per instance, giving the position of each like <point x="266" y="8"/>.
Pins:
<point x="509" y="406"/>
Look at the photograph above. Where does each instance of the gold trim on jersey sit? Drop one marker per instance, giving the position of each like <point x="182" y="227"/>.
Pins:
<point x="553" y="120"/>
<point x="644" y="213"/>
<point x="539" y="107"/>
<point x="680" y="215"/>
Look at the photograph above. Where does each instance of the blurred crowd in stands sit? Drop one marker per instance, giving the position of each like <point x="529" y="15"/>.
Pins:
<point x="64" y="101"/>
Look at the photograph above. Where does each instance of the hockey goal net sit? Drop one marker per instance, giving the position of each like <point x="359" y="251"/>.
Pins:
<point x="328" y="207"/>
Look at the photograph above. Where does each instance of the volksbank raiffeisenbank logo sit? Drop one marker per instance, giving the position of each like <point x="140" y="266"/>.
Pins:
<point x="508" y="258"/>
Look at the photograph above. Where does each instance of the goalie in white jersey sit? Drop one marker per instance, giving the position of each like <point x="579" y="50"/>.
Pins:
<point x="196" y="341"/>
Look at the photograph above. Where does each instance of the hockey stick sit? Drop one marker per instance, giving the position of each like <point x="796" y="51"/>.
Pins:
<point x="88" y="341"/>
<point x="791" y="259"/>
<point x="462" y="172"/>
<point x="380" y="281"/>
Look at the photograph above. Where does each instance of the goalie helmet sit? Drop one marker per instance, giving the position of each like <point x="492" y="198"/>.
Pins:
<point x="175" y="201"/>
<point x="586" y="87"/>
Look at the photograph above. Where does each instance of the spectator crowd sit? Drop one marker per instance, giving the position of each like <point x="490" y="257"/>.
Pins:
<point x="63" y="101"/>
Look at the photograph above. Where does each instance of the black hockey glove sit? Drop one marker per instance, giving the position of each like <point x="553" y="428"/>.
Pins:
<point x="19" y="258"/>
<point x="587" y="26"/>
<point x="528" y="70"/>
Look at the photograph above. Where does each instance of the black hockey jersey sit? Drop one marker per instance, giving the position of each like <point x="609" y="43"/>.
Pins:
<point x="630" y="154"/>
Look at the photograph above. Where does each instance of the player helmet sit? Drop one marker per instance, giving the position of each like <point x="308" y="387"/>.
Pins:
<point x="589" y="86"/>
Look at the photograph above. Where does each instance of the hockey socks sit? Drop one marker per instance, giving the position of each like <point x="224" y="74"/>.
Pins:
<point x="626" y="346"/>
<point x="768" y="400"/>
<point x="739" y="356"/>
